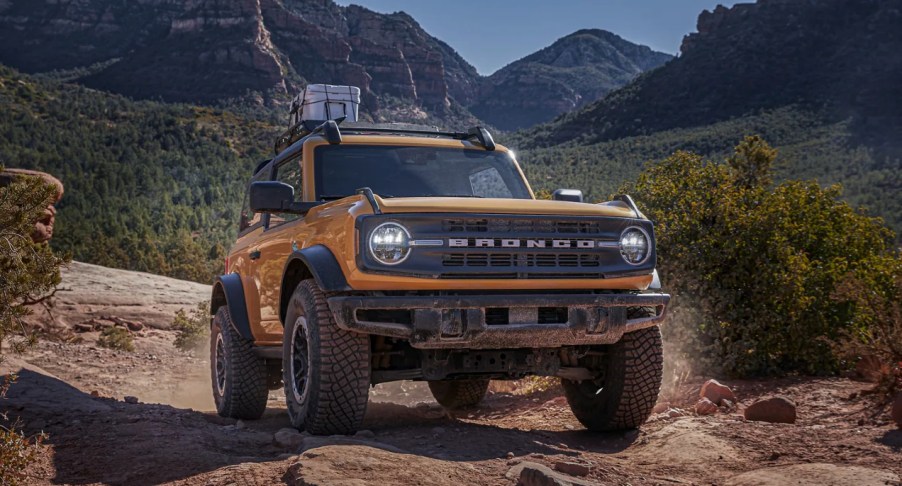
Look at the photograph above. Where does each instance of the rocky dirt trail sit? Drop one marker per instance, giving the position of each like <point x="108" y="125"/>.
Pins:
<point x="165" y="432"/>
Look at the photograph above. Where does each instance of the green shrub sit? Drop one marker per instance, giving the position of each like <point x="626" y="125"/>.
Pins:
<point x="28" y="273"/>
<point x="118" y="338"/>
<point x="873" y="308"/>
<point x="192" y="328"/>
<point x="753" y="266"/>
<point x="28" y="270"/>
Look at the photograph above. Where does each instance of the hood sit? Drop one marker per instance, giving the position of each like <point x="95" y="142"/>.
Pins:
<point x="502" y="206"/>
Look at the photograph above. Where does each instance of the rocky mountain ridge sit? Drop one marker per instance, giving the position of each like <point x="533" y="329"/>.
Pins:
<point x="840" y="57"/>
<point x="575" y="70"/>
<point x="207" y="51"/>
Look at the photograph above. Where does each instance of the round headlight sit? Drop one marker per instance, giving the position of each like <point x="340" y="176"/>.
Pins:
<point x="389" y="243"/>
<point x="634" y="246"/>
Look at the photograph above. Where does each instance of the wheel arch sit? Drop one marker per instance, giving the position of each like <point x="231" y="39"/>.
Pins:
<point x="228" y="291"/>
<point x="315" y="262"/>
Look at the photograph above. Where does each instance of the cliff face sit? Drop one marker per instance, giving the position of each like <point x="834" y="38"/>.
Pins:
<point x="209" y="50"/>
<point x="574" y="71"/>
<point x="843" y="57"/>
<point x="204" y="51"/>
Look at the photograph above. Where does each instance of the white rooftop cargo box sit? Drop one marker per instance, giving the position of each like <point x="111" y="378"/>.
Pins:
<point x="325" y="102"/>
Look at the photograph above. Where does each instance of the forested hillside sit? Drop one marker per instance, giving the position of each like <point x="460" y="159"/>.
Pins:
<point x="149" y="186"/>
<point x="819" y="80"/>
<point x="809" y="148"/>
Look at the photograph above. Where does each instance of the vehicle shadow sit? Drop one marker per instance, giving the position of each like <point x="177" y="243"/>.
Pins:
<point x="432" y="432"/>
<point x="103" y="440"/>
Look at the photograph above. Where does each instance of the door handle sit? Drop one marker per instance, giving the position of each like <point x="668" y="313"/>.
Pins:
<point x="254" y="255"/>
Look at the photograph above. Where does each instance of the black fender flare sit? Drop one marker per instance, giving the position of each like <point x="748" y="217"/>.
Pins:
<point x="233" y="292"/>
<point x="317" y="262"/>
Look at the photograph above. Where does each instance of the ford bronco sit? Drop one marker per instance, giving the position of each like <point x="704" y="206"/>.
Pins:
<point x="368" y="255"/>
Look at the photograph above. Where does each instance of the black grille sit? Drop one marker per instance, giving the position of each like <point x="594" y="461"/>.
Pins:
<point x="510" y="246"/>
<point x="522" y="260"/>
<point x="506" y="225"/>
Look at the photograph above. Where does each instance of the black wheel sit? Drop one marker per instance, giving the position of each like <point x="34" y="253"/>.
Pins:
<point x="326" y="370"/>
<point x="454" y="394"/>
<point x="628" y="379"/>
<point x="238" y="374"/>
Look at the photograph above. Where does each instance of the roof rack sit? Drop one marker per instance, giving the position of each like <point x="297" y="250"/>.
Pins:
<point x="331" y="132"/>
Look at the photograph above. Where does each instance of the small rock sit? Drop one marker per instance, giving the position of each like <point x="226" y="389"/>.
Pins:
<point x="240" y="425"/>
<point x="660" y="407"/>
<point x="572" y="468"/>
<point x="288" y="438"/>
<point x="897" y="410"/>
<point x="535" y="474"/>
<point x="778" y="410"/>
<point x="365" y="434"/>
<point x="716" y="392"/>
<point x="705" y="407"/>
<point x="84" y="327"/>
<point x="510" y="455"/>
<point x="130" y="399"/>
<point x="95" y="393"/>
<point x="674" y="413"/>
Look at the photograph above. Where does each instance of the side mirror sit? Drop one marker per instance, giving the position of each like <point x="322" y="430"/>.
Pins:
<point x="572" y="195"/>
<point x="276" y="197"/>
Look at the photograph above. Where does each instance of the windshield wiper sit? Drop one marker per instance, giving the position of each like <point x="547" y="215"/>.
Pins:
<point x="333" y="197"/>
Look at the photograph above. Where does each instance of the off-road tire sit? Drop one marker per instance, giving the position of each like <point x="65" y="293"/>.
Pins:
<point x="454" y="394"/>
<point x="632" y="371"/>
<point x="338" y="367"/>
<point x="241" y="391"/>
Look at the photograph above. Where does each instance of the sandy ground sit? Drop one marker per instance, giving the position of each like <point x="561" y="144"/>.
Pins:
<point x="170" y="435"/>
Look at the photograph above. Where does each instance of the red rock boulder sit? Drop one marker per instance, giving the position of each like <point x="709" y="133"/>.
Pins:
<point x="716" y="392"/>
<point x="779" y="410"/>
<point x="705" y="407"/>
<point x="43" y="228"/>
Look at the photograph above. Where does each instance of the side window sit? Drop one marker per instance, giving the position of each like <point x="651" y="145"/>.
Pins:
<point x="249" y="218"/>
<point x="289" y="173"/>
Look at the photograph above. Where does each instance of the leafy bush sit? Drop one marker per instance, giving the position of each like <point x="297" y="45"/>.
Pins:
<point x="115" y="337"/>
<point x="753" y="266"/>
<point x="193" y="329"/>
<point x="874" y="309"/>
<point x="28" y="272"/>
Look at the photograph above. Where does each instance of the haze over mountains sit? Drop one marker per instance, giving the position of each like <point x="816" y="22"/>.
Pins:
<point x="207" y="51"/>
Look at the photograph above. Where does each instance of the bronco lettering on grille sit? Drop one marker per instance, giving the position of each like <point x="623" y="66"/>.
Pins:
<point x="526" y="243"/>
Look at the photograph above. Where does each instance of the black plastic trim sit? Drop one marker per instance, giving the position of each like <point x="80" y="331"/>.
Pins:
<point x="234" y="295"/>
<point x="323" y="266"/>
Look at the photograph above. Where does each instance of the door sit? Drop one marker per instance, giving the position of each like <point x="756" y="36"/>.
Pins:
<point x="273" y="248"/>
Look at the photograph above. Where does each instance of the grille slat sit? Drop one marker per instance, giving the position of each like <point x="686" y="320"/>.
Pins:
<point x="505" y="226"/>
<point x="570" y="260"/>
<point x="521" y="260"/>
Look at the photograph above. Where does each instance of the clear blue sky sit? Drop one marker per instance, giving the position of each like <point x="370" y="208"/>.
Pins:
<point x="492" y="33"/>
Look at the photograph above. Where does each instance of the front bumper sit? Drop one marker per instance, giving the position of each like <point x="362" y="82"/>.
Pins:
<point x="460" y="321"/>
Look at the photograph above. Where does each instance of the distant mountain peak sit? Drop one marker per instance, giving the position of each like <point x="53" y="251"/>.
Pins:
<point x="577" y="69"/>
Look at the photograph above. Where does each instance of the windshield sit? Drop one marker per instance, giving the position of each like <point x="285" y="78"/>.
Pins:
<point x="395" y="171"/>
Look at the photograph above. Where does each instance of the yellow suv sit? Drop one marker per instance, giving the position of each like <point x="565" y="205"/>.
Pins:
<point x="368" y="255"/>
